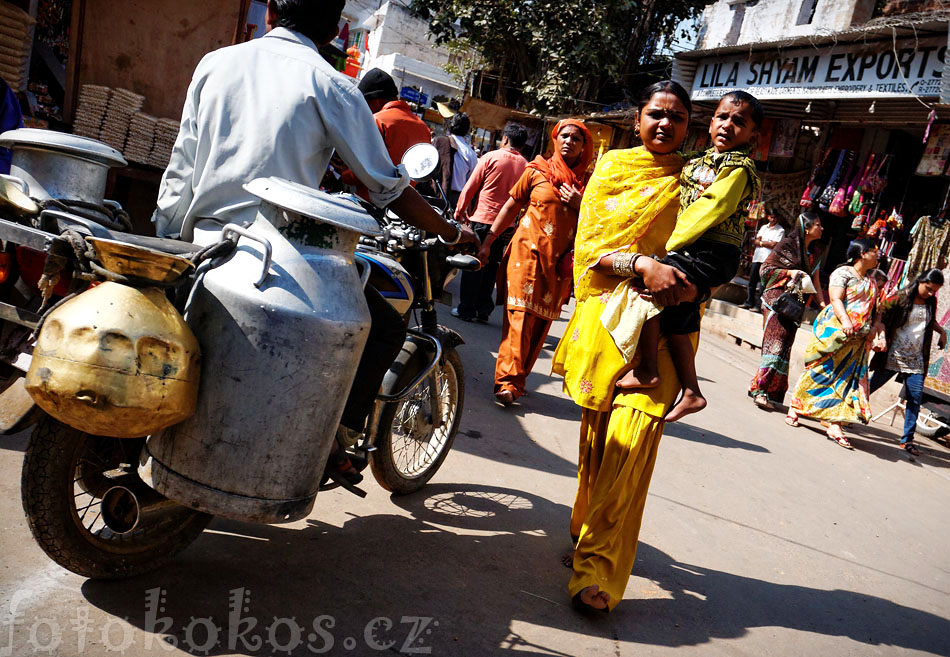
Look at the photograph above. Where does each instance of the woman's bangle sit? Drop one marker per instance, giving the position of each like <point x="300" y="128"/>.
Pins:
<point x="624" y="264"/>
<point x="458" y="235"/>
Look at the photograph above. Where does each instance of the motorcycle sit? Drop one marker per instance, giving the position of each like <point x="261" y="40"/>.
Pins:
<point x="276" y="323"/>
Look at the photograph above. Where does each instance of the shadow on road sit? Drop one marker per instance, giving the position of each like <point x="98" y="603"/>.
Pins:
<point x="707" y="604"/>
<point x="884" y="444"/>
<point x="694" y="434"/>
<point x="480" y="589"/>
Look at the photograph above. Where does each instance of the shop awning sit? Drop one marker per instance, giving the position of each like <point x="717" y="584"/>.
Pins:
<point x="890" y="58"/>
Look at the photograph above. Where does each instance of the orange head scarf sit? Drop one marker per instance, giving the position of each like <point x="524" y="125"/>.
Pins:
<point x="556" y="170"/>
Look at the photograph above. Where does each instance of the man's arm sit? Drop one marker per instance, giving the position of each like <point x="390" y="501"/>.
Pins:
<point x="354" y="133"/>
<point x="719" y="202"/>
<point x="413" y="209"/>
<point x="176" y="191"/>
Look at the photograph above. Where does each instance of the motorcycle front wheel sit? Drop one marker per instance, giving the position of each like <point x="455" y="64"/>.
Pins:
<point x="66" y="473"/>
<point x="410" y="444"/>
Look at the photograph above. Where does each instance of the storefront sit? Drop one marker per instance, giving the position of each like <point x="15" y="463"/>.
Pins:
<point x="855" y="131"/>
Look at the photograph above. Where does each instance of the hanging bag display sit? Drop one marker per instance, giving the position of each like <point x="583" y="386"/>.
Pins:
<point x="861" y="220"/>
<point x="877" y="181"/>
<point x="806" y="201"/>
<point x="813" y="188"/>
<point x="839" y="204"/>
<point x="856" y="198"/>
<point x="828" y="195"/>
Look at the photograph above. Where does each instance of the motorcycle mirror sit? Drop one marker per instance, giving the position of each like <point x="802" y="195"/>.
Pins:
<point x="421" y="161"/>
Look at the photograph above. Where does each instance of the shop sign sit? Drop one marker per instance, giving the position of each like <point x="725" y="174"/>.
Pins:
<point x="876" y="70"/>
<point x="413" y="95"/>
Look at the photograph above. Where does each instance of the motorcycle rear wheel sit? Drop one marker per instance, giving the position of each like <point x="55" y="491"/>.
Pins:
<point x="409" y="448"/>
<point x="65" y="474"/>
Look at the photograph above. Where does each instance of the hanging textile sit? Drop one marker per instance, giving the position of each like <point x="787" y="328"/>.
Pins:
<point x="937" y="152"/>
<point x="896" y="275"/>
<point x="931" y="244"/>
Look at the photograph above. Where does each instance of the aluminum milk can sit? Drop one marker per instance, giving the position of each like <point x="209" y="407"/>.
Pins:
<point x="58" y="165"/>
<point x="278" y="362"/>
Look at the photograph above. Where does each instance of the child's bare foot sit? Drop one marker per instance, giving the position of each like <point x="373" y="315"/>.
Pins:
<point x="690" y="402"/>
<point x="567" y="559"/>
<point x="639" y="378"/>
<point x="592" y="598"/>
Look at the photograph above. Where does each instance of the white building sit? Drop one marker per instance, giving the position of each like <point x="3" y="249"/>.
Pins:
<point x="738" y="22"/>
<point x="393" y="39"/>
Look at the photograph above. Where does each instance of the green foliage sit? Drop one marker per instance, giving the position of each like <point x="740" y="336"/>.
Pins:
<point x="559" y="50"/>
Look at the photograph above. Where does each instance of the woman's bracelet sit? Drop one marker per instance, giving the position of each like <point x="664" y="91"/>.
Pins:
<point x="624" y="264"/>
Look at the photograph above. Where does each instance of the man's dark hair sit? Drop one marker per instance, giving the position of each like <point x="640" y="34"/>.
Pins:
<point x="460" y="124"/>
<point x="517" y="135"/>
<point x="318" y="20"/>
<point x="377" y="83"/>
<point x="758" y="114"/>
<point x="668" y="86"/>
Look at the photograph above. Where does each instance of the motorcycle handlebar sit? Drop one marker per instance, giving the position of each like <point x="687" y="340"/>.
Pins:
<point x="463" y="262"/>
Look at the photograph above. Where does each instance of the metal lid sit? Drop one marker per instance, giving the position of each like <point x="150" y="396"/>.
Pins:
<point x="89" y="149"/>
<point x="337" y="211"/>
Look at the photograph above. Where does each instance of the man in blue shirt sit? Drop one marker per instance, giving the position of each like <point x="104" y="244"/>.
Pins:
<point x="10" y="119"/>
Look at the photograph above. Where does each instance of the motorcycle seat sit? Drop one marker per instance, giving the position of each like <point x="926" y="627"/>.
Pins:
<point x="66" y="220"/>
<point x="163" y="244"/>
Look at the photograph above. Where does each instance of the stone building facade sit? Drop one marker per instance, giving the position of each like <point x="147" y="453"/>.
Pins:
<point x="737" y="22"/>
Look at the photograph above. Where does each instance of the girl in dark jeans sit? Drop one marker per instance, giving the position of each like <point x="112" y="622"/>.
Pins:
<point x="909" y="322"/>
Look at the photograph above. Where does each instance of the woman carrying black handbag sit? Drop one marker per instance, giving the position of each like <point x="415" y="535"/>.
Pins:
<point x="794" y="258"/>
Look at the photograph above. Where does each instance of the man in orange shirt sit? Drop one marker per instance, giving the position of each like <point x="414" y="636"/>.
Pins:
<point x="494" y="176"/>
<point x="400" y="127"/>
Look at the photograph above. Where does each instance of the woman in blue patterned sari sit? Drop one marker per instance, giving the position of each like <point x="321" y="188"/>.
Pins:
<point x="834" y="386"/>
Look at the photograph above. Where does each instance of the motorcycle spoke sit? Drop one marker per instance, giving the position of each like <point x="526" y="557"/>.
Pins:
<point x="86" y="508"/>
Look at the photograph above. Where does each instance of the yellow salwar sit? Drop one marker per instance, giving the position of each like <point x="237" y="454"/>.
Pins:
<point x="617" y="451"/>
<point x="630" y="203"/>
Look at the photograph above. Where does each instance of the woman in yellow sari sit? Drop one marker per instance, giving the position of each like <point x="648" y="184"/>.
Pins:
<point x="630" y="205"/>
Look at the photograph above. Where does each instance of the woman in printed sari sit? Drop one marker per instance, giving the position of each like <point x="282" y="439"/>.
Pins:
<point x="791" y="260"/>
<point x="834" y="386"/>
<point x="630" y="205"/>
<point x="530" y="283"/>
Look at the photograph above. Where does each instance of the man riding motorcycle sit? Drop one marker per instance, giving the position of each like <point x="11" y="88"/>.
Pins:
<point x="274" y="107"/>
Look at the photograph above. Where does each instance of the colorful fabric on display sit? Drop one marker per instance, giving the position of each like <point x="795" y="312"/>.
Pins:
<point x="930" y="246"/>
<point x="528" y="276"/>
<point x="556" y="170"/>
<point x="714" y="188"/>
<point x="630" y="201"/>
<point x="833" y="386"/>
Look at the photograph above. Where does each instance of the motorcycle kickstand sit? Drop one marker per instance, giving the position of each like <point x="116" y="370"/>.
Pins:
<point x="359" y="492"/>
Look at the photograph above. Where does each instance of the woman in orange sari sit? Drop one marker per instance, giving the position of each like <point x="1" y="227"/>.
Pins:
<point x="551" y="189"/>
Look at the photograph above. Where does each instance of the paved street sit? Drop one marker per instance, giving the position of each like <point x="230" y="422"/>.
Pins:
<point x="757" y="539"/>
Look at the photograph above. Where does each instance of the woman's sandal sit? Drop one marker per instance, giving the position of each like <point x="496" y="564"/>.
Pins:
<point x="791" y="421"/>
<point x="838" y="436"/>
<point x="763" y="402"/>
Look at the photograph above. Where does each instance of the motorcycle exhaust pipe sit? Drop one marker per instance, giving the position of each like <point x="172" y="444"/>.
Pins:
<point x="131" y="504"/>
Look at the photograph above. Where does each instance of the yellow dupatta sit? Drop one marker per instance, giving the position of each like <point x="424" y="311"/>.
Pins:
<point x="631" y="199"/>
<point x="630" y="204"/>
